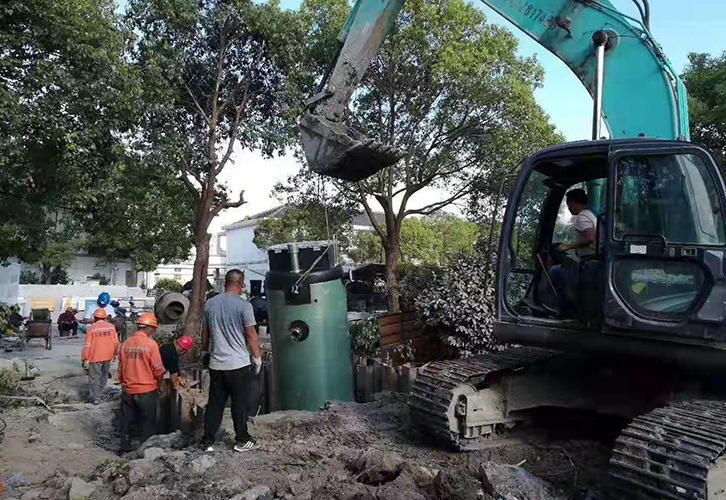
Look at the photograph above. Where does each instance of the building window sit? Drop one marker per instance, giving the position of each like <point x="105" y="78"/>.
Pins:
<point x="177" y="269"/>
<point x="177" y="276"/>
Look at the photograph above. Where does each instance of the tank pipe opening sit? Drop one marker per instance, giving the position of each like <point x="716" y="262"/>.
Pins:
<point x="294" y="259"/>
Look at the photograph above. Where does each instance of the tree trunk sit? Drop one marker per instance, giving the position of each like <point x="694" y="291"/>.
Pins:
<point x="46" y="274"/>
<point x="393" y="258"/>
<point x="193" y="325"/>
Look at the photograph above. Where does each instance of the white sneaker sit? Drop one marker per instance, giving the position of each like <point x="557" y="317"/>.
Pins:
<point x="248" y="446"/>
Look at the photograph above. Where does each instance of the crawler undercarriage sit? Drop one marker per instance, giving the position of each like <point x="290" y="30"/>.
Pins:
<point x="670" y="449"/>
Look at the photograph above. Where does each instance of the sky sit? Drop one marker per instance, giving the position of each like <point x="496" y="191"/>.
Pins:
<point x="680" y="27"/>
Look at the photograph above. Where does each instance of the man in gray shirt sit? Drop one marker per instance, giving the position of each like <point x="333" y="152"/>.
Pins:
<point x="229" y="322"/>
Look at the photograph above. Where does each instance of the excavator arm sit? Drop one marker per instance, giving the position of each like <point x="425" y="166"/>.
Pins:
<point x="641" y="93"/>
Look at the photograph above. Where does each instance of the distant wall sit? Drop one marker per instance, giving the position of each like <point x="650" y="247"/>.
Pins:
<point x="76" y="296"/>
<point x="9" y="283"/>
<point x="244" y="255"/>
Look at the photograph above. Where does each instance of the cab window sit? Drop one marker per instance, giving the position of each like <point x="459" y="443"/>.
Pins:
<point x="669" y="195"/>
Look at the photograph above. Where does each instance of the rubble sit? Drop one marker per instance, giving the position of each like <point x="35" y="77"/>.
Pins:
<point x="458" y="484"/>
<point x="121" y="486"/>
<point x="80" y="490"/>
<point x="143" y="471"/>
<point x="153" y="453"/>
<point x="509" y="481"/>
<point x="347" y="451"/>
<point x="376" y="467"/>
<point x="202" y="463"/>
<point x="256" y="493"/>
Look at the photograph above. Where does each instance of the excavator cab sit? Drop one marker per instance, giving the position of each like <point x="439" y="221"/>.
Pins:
<point x="658" y="267"/>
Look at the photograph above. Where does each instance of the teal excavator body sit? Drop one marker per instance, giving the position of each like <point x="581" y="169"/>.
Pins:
<point x="642" y="96"/>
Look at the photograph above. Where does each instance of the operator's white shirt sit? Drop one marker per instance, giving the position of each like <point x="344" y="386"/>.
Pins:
<point x="585" y="221"/>
<point x="90" y="310"/>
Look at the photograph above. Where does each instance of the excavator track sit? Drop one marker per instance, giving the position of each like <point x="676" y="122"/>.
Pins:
<point x="437" y="386"/>
<point x="667" y="453"/>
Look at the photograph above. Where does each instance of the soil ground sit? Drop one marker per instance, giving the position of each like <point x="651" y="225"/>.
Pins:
<point x="304" y="454"/>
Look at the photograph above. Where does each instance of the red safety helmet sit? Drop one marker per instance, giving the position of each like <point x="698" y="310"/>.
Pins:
<point x="147" y="319"/>
<point x="100" y="314"/>
<point x="185" y="342"/>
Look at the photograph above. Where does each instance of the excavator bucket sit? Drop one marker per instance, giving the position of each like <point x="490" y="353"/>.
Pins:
<point x="332" y="150"/>
<point x="330" y="147"/>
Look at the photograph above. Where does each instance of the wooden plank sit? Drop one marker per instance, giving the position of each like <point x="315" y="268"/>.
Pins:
<point x="392" y="377"/>
<point x="368" y="380"/>
<point x="394" y="318"/>
<point x="360" y="383"/>
<point x="378" y="378"/>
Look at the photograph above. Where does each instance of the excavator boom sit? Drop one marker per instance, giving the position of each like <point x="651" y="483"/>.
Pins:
<point x="641" y="93"/>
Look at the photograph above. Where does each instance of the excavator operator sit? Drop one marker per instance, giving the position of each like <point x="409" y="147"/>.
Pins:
<point x="565" y="276"/>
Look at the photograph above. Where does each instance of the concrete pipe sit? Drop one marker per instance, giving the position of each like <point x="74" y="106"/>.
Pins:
<point x="170" y="308"/>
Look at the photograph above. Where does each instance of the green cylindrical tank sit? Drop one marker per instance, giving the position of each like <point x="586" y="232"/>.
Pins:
<point x="308" y="322"/>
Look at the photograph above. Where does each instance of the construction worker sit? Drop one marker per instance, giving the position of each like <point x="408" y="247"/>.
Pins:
<point x="100" y="348"/>
<point x="170" y="357"/>
<point x="103" y="302"/>
<point x="229" y="322"/>
<point x="139" y="369"/>
<point x="67" y="323"/>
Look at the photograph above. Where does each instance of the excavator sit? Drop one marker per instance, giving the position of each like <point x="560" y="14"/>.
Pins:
<point x="644" y="333"/>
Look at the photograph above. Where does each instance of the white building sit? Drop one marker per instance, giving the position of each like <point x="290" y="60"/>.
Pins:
<point x="91" y="269"/>
<point x="183" y="271"/>
<point x="244" y="255"/>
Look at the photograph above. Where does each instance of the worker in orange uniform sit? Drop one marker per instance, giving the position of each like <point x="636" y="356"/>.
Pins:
<point x="99" y="350"/>
<point x="139" y="369"/>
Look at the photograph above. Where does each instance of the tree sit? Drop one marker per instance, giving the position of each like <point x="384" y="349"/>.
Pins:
<point x="705" y="79"/>
<point x="448" y="88"/>
<point x="69" y="101"/>
<point x="146" y="218"/>
<point x="215" y="76"/>
<point x="309" y="222"/>
<point x="168" y="285"/>
<point x="63" y="95"/>
<point x="437" y="240"/>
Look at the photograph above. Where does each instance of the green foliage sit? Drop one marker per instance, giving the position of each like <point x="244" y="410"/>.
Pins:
<point x="28" y="277"/>
<point x="308" y="222"/>
<point x="460" y="301"/>
<point x="405" y="352"/>
<point x="366" y="248"/>
<point x="705" y="79"/>
<point x="70" y="105"/>
<point x="5" y="311"/>
<point x="413" y="281"/>
<point x="365" y="336"/>
<point x="168" y="285"/>
<point x="430" y="241"/>
<point x="102" y="279"/>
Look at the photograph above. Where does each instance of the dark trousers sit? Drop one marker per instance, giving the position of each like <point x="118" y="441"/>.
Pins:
<point x="97" y="377"/>
<point x="140" y="408"/>
<point x="223" y="384"/>
<point x="66" y="329"/>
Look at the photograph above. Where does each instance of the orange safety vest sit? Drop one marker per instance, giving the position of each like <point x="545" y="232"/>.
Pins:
<point x="139" y="364"/>
<point x="101" y="342"/>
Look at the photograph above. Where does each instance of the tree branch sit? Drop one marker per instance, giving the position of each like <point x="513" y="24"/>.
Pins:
<point x="433" y="207"/>
<point x="230" y="204"/>
<point x="235" y="129"/>
<point x="196" y="103"/>
<point x="374" y="223"/>
<point x="183" y="168"/>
